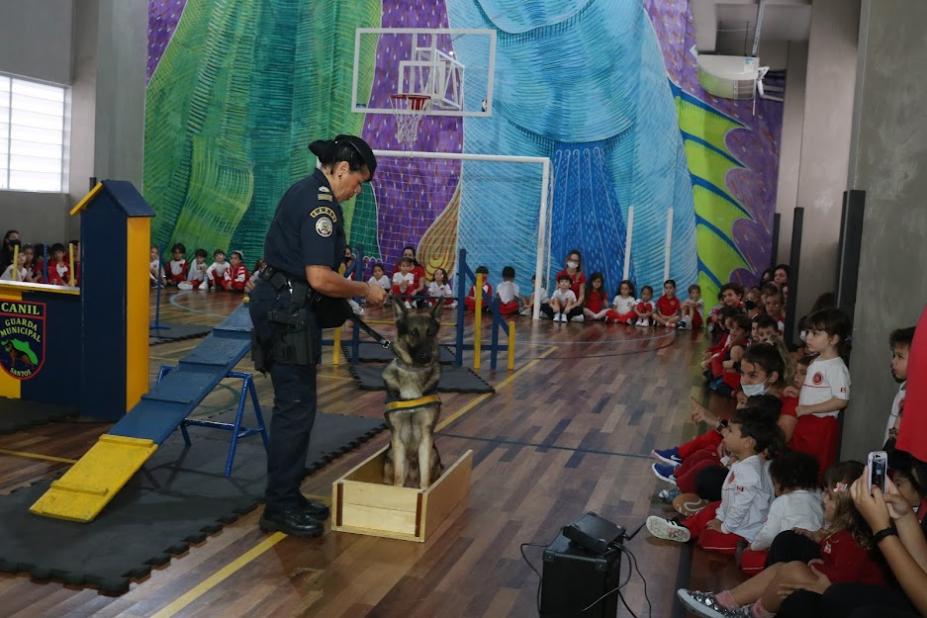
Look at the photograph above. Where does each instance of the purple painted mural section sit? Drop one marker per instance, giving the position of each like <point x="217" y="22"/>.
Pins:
<point x="403" y="215"/>
<point x="163" y="16"/>
<point x="756" y="146"/>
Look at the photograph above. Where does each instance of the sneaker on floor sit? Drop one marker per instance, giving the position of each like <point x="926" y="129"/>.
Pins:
<point x="667" y="530"/>
<point x="578" y="318"/>
<point x="563" y="317"/>
<point x="706" y="604"/>
<point x="668" y="455"/>
<point x="664" y="472"/>
<point x="407" y="305"/>
<point x="668" y="495"/>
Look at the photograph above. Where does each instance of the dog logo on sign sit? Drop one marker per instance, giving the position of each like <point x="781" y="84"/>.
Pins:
<point x="22" y="338"/>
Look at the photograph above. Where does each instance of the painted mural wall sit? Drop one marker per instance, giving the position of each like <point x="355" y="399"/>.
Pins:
<point x="606" y="89"/>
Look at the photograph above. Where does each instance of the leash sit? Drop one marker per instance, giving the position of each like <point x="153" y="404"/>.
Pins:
<point x="412" y="403"/>
<point x="385" y="343"/>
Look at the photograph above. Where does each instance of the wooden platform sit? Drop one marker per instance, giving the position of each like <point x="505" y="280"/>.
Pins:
<point x="569" y="431"/>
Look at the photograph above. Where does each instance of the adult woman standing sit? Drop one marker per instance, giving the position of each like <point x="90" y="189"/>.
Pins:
<point x="293" y="299"/>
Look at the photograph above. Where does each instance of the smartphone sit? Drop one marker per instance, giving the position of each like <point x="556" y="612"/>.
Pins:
<point x="878" y="469"/>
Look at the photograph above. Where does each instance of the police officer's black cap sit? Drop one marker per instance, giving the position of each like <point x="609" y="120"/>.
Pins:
<point x="325" y="150"/>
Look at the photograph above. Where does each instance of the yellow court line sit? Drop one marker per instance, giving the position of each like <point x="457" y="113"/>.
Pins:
<point x="219" y="576"/>
<point x="228" y="570"/>
<point x="28" y="455"/>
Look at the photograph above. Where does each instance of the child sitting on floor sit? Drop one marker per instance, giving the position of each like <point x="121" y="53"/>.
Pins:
<point x="731" y="295"/>
<point x="725" y="377"/>
<point x="404" y="282"/>
<point x="439" y="290"/>
<point x="155" y="272"/>
<point x="797" y="505"/>
<point x="623" y="305"/>
<point x="745" y="495"/>
<point x="562" y="301"/>
<point x="692" y="309"/>
<point x="596" y="300"/>
<point x="644" y="307"/>
<point x="667" y="309"/>
<point x="470" y="300"/>
<point x="378" y="277"/>
<point x="527" y="301"/>
<point x="216" y="272"/>
<point x="177" y="267"/>
<point x="507" y="292"/>
<point x="844" y="544"/>
<point x="237" y="275"/>
<point x="196" y="274"/>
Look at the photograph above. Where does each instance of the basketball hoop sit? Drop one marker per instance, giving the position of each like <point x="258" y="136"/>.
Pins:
<point x="407" y="124"/>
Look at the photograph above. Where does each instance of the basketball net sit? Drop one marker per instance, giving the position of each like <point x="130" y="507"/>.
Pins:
<point x="407" y="124"/>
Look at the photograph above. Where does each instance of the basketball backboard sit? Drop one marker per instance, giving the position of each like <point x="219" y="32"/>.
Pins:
<point x="452" y="67"/>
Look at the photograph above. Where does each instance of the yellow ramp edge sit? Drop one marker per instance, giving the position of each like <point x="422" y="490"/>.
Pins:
<point x="95" y="479"/>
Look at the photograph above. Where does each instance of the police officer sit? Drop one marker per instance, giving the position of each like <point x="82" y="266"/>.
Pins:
<point x="298" y="293"/>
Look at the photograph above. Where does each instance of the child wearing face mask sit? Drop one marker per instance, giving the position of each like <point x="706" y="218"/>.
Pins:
<point x="761" y="382"/>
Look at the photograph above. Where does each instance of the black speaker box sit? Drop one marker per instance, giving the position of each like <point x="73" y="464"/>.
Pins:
<point x="573" y="578"/>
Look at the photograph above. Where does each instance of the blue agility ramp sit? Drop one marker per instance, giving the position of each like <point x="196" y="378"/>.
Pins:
<point x="88" y="486"/>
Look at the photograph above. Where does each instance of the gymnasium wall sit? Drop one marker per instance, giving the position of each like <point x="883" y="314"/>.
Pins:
<point x="888" y="160"/>
<point x="606" y="89"/>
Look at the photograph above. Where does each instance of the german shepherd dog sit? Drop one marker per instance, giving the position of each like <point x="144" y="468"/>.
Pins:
<point x="414" y="373"/>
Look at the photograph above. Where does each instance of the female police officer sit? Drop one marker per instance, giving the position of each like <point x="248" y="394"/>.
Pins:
<point x="289" y="305"/>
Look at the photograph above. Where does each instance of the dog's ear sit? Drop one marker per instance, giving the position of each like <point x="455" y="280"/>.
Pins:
<point x="437" y="310"/>
<point x="399" y="311"/>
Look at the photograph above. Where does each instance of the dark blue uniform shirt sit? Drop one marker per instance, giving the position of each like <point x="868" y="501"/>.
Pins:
<point x="308" y="228"/>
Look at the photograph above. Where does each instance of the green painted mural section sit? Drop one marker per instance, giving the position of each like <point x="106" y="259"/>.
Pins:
<point x="709" y="160"/>
<point x="238" y="95"/>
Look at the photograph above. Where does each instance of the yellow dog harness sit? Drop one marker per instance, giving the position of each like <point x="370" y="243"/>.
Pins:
<point x="412" y="403"/>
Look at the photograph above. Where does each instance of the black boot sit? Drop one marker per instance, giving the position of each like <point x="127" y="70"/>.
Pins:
<point x="317" y="509"/>
<point x="295" y="522"/>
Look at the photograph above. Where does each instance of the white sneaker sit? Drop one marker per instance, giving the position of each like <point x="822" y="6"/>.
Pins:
<point x="185" y="286"/>
<point x="560" y="318"/>
<point x="579" y="318"/>
<point x="408" y="305"/>
<point x="667" y="530"/>
<point x="641" y="323"/>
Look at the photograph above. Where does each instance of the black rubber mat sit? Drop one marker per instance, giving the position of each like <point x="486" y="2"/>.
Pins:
<point x="453" y="379"/>
<point x="16" y="414"/>
<point x="179" y="498"/>
<point x="370" y="352"/>
<point x="165" y="333"/>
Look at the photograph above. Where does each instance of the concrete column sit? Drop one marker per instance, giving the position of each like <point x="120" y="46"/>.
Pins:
<point x="790" y="143"/>
<point x="825" y="145"/>
<point x="108" y="93"/>
<point x="889" y="162"/>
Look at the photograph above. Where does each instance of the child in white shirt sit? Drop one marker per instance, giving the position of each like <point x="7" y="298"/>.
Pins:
<point x="379" y="278"/>
<point x="693" y="308"/>
<point x="507" y="291"/>
<point x="196" y="275"/>
<point x="216" y="272"/>
<point x="527" y="302"/>
<point x="745" y="496"/>
<point x="900" y="341"/>
<point x="623" y="305"/>
<point x="562" y="301"/>
<point x="797" y="505"/>
<point x="404" y="282"/>
<point x="826" y="390"/>
<point x="439" y="290"/>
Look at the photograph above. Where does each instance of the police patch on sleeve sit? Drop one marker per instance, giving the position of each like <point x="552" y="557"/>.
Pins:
<point x="323" y="227"/>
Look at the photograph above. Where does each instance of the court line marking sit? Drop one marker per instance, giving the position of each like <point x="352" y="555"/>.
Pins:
<point x="237" y="564"/>
<point x="28" y="455"/>
<point x="572" y="449"/>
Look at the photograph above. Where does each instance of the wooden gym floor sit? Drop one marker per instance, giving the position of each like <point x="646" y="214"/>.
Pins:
<point x="569" y="431"/>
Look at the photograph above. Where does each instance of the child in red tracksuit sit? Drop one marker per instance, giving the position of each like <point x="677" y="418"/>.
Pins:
<point x="596" y="307"/>
<point x="644" y="307"/>
<point x="762" y="368"/>
<point x="470" y="300"/>
<point x="725" y="378"/>
<point x="667" y="306"/>
<point x="826" y="390"/>
<point x="844" y="544"/>
<point x="623" y="305"/>
<point x="507" y="293"/>
<point x="237" y="275"/>
<point x="177" y="267"/>
<point x="217" y="271"/>
<point x="59" y="272"/>
<point x="745" y="496"/>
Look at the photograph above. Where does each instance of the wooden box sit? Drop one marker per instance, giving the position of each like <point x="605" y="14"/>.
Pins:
<point x="363" y="504"/>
